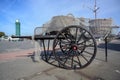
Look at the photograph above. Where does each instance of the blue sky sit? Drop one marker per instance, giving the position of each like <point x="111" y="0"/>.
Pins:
<point x="34" y="13"/>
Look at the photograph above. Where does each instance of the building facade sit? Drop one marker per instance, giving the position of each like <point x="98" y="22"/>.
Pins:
<point x="100" y="26"/>
<point x="95" y="26"/>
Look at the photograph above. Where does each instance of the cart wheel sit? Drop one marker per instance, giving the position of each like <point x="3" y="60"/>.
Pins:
<point x="76" y="49"/>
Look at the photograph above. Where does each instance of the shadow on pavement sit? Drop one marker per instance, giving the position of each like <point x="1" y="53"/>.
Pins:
<point x="111" y="46"/>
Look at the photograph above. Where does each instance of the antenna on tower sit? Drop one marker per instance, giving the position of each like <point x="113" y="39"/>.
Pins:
<point x="95" y="9"/>
<point x="95" y="14"/>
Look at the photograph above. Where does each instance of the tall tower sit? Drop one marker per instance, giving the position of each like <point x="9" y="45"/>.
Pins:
<point x="17" y="24"/>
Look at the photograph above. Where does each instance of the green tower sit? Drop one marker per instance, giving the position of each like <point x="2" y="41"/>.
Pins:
<point x="17" y="24"/>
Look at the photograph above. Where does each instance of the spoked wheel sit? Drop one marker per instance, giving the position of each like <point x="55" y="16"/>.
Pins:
<point x="76" y="49"/>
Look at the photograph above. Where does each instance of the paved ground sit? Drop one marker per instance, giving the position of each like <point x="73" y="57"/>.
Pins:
<point x="11" y="46"/>
<point x="18" y="65"/>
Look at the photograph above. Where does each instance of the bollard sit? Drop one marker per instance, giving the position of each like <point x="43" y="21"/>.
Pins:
<point x="37" y="51"/>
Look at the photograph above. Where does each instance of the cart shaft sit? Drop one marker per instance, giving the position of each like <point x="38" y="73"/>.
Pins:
<point x="26" y="37"/>
<point x="38" y="37"/>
